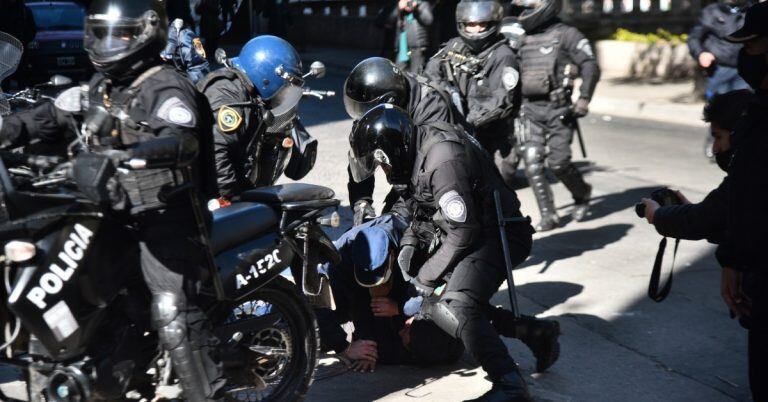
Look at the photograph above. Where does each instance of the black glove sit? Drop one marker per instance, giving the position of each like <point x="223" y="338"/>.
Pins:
<point x="364" y="212"/>
<point x="404" y="261"/>
<point x="419" y="289"/>
<point x="581" y="108"/>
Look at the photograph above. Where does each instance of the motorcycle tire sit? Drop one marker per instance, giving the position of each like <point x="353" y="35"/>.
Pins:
<point x="298" y="334"/>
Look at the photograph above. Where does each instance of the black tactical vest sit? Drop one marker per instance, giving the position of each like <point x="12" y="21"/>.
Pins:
<point x="539" y="55"/>
<point x="113" y="121"/>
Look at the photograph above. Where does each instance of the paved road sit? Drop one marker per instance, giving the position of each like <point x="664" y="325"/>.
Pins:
<point x="591" y="276"/>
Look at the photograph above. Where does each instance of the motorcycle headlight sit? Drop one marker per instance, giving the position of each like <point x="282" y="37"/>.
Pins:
<point x="20" y="251"/>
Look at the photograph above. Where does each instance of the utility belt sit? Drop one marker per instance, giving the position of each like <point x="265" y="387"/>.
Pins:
<point x="559" y="97"/>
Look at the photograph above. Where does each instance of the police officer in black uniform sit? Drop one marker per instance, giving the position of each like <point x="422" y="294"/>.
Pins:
<point x="137" y="107"/>
<point x="452" y="182"/>
<point x="480" y="71"/>
<point x="551" y="55"/>
<point x="375" y="81"/>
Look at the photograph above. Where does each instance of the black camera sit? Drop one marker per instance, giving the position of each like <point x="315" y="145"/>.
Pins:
<point x="663" y="196"/>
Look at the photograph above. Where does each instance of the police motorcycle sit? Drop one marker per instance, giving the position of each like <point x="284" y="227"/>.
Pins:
<point x="281" y="145"/>
<point x="76" y="309"/>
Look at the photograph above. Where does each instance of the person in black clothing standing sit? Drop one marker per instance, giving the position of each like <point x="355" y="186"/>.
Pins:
<point x="411" y="20"/>
<point x="551" y="56"/>
<point x="711" y="50"/>
<point x="452" y="184"/>
<point x="481" y="73"/>
<point x="376" y="81"/>
<point x="140" y="108"/>
<point x="745" y="284"/>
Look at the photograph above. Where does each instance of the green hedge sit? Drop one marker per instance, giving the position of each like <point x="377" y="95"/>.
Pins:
<point x="660" y="36"/>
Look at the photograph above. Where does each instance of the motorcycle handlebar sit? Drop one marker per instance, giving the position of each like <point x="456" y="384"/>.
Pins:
<point x="39" y="162"/>
<point x="319" y="94"/>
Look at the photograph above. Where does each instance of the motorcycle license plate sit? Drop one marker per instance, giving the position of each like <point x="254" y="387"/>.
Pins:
<point x="65" y="61"/>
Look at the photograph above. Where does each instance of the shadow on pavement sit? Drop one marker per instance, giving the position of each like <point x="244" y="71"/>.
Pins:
<point x="609" y="204"/>
<point x="565" y="245"/>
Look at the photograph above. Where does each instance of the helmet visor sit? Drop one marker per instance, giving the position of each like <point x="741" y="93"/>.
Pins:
<point x="105" y="38"/>
<point x="361" y="167"/>
<point x="356" y="109"/>
<point x="285" y="100"/>
<point x="478" y="11"/>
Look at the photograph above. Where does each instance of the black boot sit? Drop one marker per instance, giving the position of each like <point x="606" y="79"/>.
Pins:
<point x="509" y="388"/>
<point x="581" y="206"/>
<point x="541" y="336"/>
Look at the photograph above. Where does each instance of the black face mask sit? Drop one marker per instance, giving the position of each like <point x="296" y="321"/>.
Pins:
<point x="752" y="69"/>
<point x="723" y="159"/>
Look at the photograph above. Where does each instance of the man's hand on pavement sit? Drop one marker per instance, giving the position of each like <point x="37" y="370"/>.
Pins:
<point x="706" y="59"/>
<point x="364" y="366"/>
<point x="362" y="350"/>
<point x="384" y="307"/>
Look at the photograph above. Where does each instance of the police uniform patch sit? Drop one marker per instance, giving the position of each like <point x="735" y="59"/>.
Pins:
<point x="199" y="49"/>
<point x="510" y="77"/>
<point x="174" y="111"/>
<point x="453" y="207"/>
<point x="229" y="119"/>
<point x="585" y="47"/>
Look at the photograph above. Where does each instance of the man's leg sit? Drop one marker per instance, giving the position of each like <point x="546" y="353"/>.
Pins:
<point x="541" y="336"/>
<point x="171" y="267"/>
<point x="533" y="154"/>
<point x="559" y="160"/>
<point x="416" y="64"/>
<point x="461" y="313"/>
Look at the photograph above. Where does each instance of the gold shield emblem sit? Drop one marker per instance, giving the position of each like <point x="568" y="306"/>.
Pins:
<point x="198" y="45"/>
<point x="229" y="119"/>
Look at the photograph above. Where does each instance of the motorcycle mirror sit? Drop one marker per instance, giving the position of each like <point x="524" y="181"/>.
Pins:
<point x="59" y="81"/>
<point x="317" y="69"/>
<point x="221" y="57"/>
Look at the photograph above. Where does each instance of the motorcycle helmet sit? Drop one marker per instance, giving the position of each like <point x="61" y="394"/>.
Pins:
<point x="274" y="68"/>
<point x="537" y="12"/>
<point x="489" y="12"/>
<point x="372" y="82"/>
<point x="384" y="137"/>
<point x="123" y="37"/>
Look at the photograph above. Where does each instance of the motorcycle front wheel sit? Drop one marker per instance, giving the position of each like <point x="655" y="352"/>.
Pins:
<point x="283" y="355"/>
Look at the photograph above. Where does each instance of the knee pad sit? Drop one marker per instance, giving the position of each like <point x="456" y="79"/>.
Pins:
<point x="169" y="319"/>
<point x="445" y="318"/>
<point x="533" y="156"/>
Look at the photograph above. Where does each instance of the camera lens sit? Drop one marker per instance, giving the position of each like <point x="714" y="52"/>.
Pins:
<point x="640" y="210"/>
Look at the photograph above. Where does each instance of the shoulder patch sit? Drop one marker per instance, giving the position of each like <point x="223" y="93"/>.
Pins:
<point x="174" y="111"/>
<point x="229" y="120"/>
<point x="453" y="206"/>
<point x="510" y="77"/>
<point x="585" y="47"/>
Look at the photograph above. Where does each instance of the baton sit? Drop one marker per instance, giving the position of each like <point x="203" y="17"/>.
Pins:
<point x="507" y="258"/>
<point x="573" y="122"/>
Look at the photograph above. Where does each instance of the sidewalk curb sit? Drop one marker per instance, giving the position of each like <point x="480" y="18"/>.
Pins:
<point x="685" y="114"/>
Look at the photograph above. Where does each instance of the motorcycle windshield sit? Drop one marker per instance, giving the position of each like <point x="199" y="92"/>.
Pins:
<point x="10" y="55"/>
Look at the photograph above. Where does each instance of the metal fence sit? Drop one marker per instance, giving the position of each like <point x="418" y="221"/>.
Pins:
<point x="351" y="22"/>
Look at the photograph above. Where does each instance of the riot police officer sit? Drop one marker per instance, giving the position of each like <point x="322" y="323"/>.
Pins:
<point x="239" y="94"/>
<point x="375" y="81"/>
<point x="481" y="73"/>
<point x="185" y="50"/>
<point x="138" y="107"/>
<point x="452" y="183"/>
<point x="551" y="56"/>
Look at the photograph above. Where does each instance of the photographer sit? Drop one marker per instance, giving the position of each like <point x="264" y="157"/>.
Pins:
<point x="411" y="20"/>
<point x="707" y="219"/>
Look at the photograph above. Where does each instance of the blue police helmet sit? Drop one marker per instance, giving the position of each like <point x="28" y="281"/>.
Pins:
<point x="274" y="68"/>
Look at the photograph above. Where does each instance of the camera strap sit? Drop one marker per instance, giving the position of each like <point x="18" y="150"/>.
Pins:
<point x="653" y="287"/>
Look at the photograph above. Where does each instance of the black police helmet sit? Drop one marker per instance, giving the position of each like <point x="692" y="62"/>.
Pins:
<point x="538" y="12"/>
<point x="489" y="12"/>
<point x="123" y="37"/>
<point x="372" y="82"/>
<point x="382" y="137"/>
